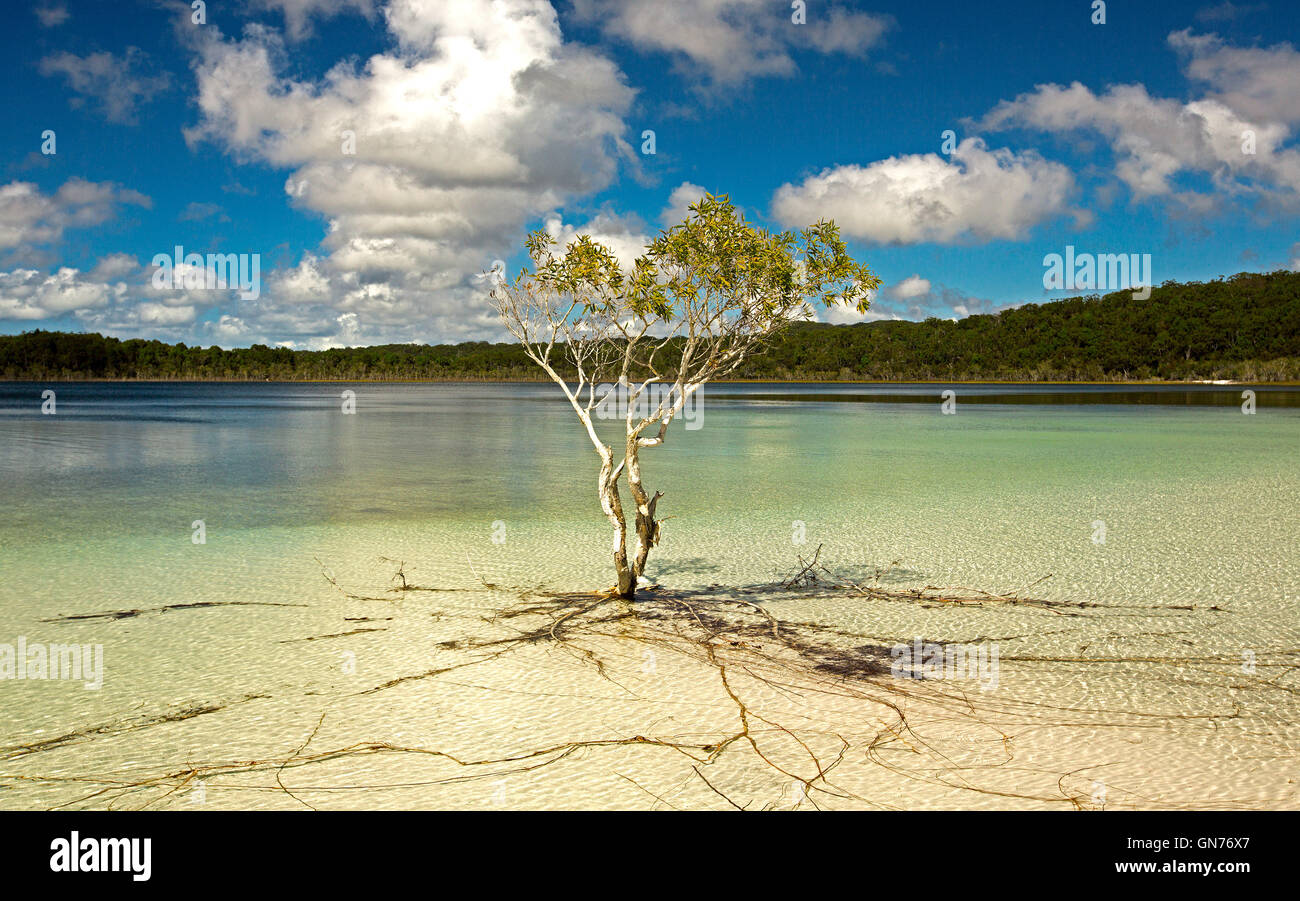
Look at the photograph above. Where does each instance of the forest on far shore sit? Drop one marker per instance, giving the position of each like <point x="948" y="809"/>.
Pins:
<point x="1246" y="328"/>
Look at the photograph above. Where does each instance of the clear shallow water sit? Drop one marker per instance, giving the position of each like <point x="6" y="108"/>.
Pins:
<point x="1198" y="503"/>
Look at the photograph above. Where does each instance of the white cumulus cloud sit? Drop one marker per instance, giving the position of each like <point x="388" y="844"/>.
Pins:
<point x="730" y="41"/>
<point x="117" y="84"/>
<point x="482" y="119"/>
<point x="977" y="194"/>
<point x="1236" y="133"/>
<point x="29" y="218"/>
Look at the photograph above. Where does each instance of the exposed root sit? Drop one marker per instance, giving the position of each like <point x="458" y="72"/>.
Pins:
<point x="119" y="727"/>
<point x="331" y="635"/>
<point x="815" y="575"/>
<point x="758" y="662"/>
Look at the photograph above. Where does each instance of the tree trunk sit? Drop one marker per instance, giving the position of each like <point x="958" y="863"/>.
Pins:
<point x="647" y="529"/>
<point x="647" y="533"/>
<point x="612" y="504"/>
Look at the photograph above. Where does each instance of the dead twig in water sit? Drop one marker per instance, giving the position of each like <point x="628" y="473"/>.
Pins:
<point x="194" y="605"/>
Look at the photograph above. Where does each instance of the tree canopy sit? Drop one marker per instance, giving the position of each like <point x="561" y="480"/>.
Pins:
<point x="704" y="296"/>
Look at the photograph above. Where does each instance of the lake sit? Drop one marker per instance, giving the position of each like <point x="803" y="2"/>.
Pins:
<point x="285" y="520"/>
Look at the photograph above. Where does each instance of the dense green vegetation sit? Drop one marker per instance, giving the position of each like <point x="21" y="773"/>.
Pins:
<point x="1246" y="327"/>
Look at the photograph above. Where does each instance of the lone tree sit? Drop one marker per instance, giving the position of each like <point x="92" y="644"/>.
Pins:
<point x="705" y="295"/>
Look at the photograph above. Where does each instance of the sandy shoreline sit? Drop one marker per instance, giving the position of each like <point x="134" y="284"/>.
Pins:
<point x="682" y="700"/>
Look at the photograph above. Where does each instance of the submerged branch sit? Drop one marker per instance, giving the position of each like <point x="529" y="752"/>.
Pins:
<point x="194" y="605"/>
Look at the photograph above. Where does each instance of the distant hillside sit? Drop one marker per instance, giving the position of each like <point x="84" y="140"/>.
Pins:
<point x="1246" y="327"/>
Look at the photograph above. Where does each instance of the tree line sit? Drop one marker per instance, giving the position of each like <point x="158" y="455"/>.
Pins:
<point x="1246" y="327"/>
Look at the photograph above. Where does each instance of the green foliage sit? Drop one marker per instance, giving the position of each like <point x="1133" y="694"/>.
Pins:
<point x="1244" y="327"/>
<point x="714" y="258"/>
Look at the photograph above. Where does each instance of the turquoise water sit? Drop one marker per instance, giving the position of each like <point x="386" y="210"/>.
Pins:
<point x="1196" y="500"/>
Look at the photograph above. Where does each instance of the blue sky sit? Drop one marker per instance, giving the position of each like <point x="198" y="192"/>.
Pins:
<point x="1169" y="130"/>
